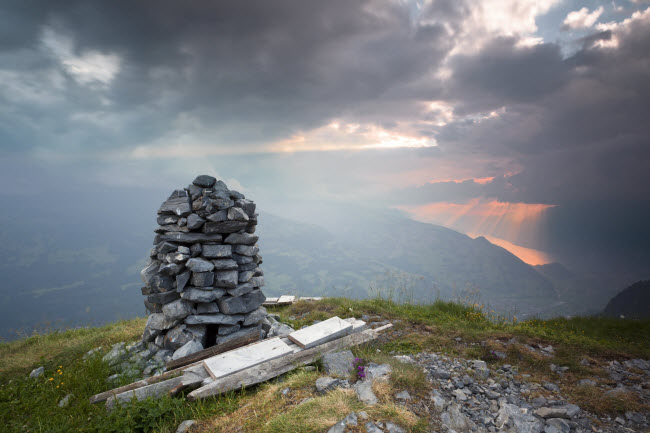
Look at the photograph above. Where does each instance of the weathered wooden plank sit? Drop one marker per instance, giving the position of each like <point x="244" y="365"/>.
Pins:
<point x="154" y="390"/>
<point x="269" y="370"/>
<point x="320" y="333"/>
<point x="286" y="300"/>
<point x="135" y="385"/>
<point x="235" y="343"/>
<point x="246" y="357"/>
<point x="270" y="301"/>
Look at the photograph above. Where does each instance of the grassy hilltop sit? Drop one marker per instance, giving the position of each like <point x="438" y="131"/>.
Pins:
<point x="31" y="405"/>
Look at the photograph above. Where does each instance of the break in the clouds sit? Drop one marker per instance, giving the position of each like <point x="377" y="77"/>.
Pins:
<point x="506" y="106"/>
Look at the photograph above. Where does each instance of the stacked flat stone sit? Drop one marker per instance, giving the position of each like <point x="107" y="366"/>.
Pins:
<point x="203" y="279"/>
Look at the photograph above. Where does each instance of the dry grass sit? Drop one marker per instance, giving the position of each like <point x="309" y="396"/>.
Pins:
<point x="593" y="399"/>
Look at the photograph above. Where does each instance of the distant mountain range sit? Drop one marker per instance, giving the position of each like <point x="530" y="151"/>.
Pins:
<point x="78" y="264"/>
<point x="631" y="302"/>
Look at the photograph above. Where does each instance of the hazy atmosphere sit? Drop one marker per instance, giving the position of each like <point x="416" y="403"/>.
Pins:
<point x="494" y="150"/>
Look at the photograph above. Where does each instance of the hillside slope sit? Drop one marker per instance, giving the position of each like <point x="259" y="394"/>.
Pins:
<point x="633" y="301"/>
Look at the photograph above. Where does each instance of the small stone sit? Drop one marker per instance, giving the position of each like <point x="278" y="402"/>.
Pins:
<point x="255" y="316"/>
<point x="394" y="428"/>
<point x="196" y="250"/>
<point x="214" y="319"/>
<point x="182" y="279"/>
<point x="557" y="425"/>
<point x="199" y="265"/>
<point x="204" y="181"/>
<point x="403" y="395"/>
<point x="351" y="419"/>
<point x="237" y="214"/>
<point x="37" y="372"/>
<point x="339" y="427"/>
<point x="65" y="401"/>
<point x="551" y="412"/>
<point x="177" y="309"/>
<point x="224" y="227"/>
<point x="378" y="371"/>
<point x="460" y="395"/>
<point x="224" y="264"/>
<point x="228" y="329"/>
<point x="188" y="349"/>
<point x="246" y="250"/>
<point x="226" y="279"/>
<point x="202" y="279"/>
<point x="241" y="239"/>
<point x="208" y="308"/>
<point x="372" y="428"/>
<point x="326" y="383"/>
<point x="241" y="304"/>
<point x="285" y="391"/>
<point x="620" y="420"/>
<point x="364" y="392"/>
<point x="196" y="294"/>
<point x="217" y="251"/>
<point x="194" y="221"/>
<point x="586" y="382"/>
<point x="185" y="426"/>
<point x="243" y="331"/>
<point x="279" y="330"/>
<point x="551" y="387"/>
<point x="241" y="289"/>
<point x="363" y="415"/>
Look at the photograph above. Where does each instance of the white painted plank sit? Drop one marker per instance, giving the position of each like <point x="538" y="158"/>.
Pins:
<point x="286" y="299"/>
<point x="320" y="333"/>
<point x="245" y="357"/>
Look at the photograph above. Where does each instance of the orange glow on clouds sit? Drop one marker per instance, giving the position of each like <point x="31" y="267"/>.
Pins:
<point x="502" y="221"/>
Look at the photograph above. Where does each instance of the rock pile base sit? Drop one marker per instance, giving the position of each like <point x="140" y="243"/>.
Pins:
<point x="203" y="280"/>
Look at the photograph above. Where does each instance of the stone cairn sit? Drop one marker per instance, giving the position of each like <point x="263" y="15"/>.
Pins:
<point x="203" y="279"/>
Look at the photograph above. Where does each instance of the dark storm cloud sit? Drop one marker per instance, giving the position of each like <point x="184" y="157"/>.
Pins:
<point x="253" y="71"/>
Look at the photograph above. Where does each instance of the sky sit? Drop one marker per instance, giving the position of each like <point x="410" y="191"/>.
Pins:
<point x="525" y="121"/>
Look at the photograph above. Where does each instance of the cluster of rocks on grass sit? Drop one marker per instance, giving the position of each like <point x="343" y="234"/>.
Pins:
<point x="472" y="397"/>
<point x="203" y="280"/>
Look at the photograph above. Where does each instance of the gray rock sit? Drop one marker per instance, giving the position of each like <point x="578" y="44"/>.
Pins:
<point x="92" y="352"/>
<point x="552" y="412"/>
<point x="217" y="251"/>
<point x="378" y="371"/>
<point x="228" y="329"/>
<point x="218" y="216"/>
<point x="196" y="294"/>
<point x="199" y="265"/>
<point x="459" y="394"/>
<point x="177" y="309"/>
<point x="513" y="419"/>
<point x="587" y="382"/>
<point x="248" y="207"/>
<point x="244" y="331"/>
<point x="196" y="250"/>
<point x="364" y="392"/>
<point x="247" y="266"/>
<point x="242" y="260"/>
<point x="185" y="426"/>
<point x="255" y="316"/>
<point x="178" y="206"/>
<point x="557" y="425"/>
<point x="163" y="356"/>
<point x="170" y="269"/>
<point x="551" y="386"/>
<point x="338" y="363"/>
<point x="438" y="401"/>
<point x="189" y="238"/>
<point x="256" y="281"/>
<point x="339" y="427"/>
<point x="65" y="401"/>
<point x="242" y="304"/>
<point x="188" y="348"/>
<point x="241" y="238"/>
<point x="167" y="219"/>
<point x="117" y="354"/>
<point x="372" y="428"/>
<point x="182" y="279"/>
<point x="245" y="276"/>
<point x="241" y="289"/>
<point x="394" y="428"/>
<point x="208" y="308"/>
<point x="37" y="372"/>
<point x="158" y="321"/>
<point x="325" y="384"/>
<point x="403" y="395"/>
<point x="149" y="272"/>
<point x="224" y="264"/>
<point x="204" y="181"/>
<point x="224" y="226"/>
<point x="217" y="318"/>
<point x="237" y="214"/>
<point x="351" y="419"/>
<point x="202" y="279"/>
<point x="182" y="334"/>
<point x="194" y="221"/>
<point x="455" y="420"/>
<point x="226" y="279"/>
<point x="279" y="330"/>
<point x="172" y="228"/>
<point x="246" y="250"/>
